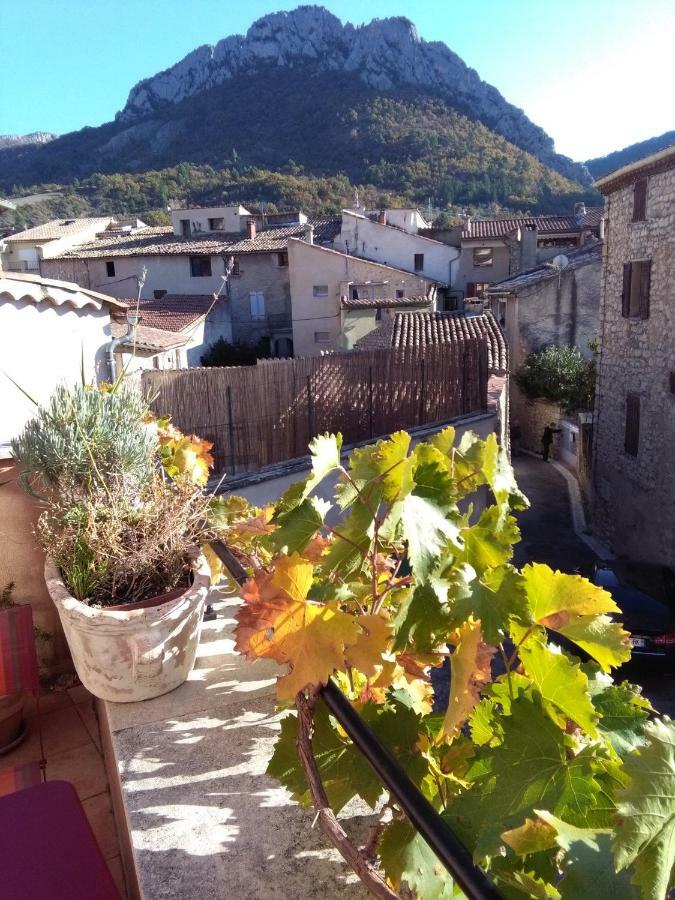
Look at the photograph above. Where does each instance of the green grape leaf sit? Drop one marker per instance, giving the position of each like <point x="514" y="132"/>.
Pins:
<point x="296" y="527"/>
<point x="383" y="467"/>
<point x="407" y="858"/>
<point x="422" y="623"/>
<point x="575" y="608"/>
<point x="604" y="640"/>
<point x="351" y="541"/>
<point x="589" y="872"/>
<point x="530" y="769"/>
<point x="484" y="725"/>
<point x="624" y="713"/>
<point x="645" y="823"/>
<point x="325" y="451"/>
<point x="431" y="474"/>
<point x="444" y="440"/>
<point x="560" y="682"/>
<point x="500" y="476"/>
<point x="428" y="530"/>
<point x="489" y="542"/>
<point x="533" y="836"/>
<point x="515" y="884"/>
<point x="497" y="598"/>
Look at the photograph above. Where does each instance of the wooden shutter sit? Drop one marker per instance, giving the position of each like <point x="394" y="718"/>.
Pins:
<point x="640" y="200"/>
<point x="645" y="283"/>
<point x="625" y="296"/>
<point x="632" y="438"/>
<point x="471" y="289"/>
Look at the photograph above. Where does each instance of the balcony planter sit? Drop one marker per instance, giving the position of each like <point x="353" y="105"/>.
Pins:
<point x="12" y="723"/>
<point x="136" y="651"/>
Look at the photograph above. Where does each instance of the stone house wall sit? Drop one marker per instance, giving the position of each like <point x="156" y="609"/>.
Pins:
<point x="259" y="272"/>
<point x="634" y="496"/>
<point x="528" y="420"/>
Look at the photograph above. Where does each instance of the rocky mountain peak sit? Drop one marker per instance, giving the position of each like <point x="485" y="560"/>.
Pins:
<point x="383" y="53"/>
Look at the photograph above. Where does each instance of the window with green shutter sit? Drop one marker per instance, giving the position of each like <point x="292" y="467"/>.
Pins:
<point x="640" y="200"/>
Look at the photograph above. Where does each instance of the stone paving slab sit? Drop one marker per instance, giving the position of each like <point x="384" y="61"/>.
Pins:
<point x="204" y="819"/>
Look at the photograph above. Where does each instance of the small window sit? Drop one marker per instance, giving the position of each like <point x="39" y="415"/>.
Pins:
<point x="257" y="300"/>
<point x="636" y="288"/>
<point x="320" y="290"/>
<point x="378" y="314"/>
<point x="185" y="227"/>
<point x="632" y="438"/>
<point x="419" y="262"/>
<point x="640" y="200"/>
<point x="470" y="289"/>
<point x="355" y="293"/>
<point x="200" y="266"/>
<point x="217" y="224"/>
<point x="282" y="259"/>
<point x="322" y="337"/>
<point x="110" y="268"/>
<point x="400" y="294"/>
<point x="482" y="257"/>
<point x="159" y="294"/>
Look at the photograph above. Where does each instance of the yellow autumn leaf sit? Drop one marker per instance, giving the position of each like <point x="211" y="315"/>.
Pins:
<point x="470" y="669"/>
<point x="215" y="564"/>
<point x="373" y="640"/>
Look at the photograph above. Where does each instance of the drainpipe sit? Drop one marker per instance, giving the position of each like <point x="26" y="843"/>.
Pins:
<point x="133" y="318"/>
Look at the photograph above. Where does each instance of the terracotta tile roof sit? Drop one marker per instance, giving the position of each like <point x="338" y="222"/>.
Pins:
<point x="498" y="228"/>
<point x="589" y="253"/>
<point x="385" y="303"/>
<point x="423" y="329"/>
<point x="153" y="339"/>
<point x="161" y="240"/>
<point x="174" y="312"/>
<point x="59" y="228"/>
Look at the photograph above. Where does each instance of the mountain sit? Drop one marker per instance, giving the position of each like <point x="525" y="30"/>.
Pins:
<point x="603" y="165"/>
<point x="303" y="96"/>
<point x="20" y="140"/>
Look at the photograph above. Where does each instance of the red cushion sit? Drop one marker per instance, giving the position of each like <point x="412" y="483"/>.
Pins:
<point x="47" y="847"/>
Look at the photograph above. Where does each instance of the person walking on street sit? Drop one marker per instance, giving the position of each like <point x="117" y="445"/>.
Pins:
<point x="547" y="439"/>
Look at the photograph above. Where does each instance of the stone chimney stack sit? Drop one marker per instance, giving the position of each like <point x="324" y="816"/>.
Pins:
<point x="309" y="234"/>
<point x="528" y="247"/>
<point x="601" y="229"/>
<point x="250" y="229"/>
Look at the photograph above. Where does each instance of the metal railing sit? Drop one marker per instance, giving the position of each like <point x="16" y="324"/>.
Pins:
<point x="450" y="851"/>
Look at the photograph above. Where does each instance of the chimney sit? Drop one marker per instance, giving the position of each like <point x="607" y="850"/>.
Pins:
<point x="528" y="247"/>
<point x="250" y="229"/>
<point x="382" y="217"/>
<point x="466" y="222"/>
<point x="579" y="212"/>
<point x="309" y="234"/>
<point x="601" y="229"/>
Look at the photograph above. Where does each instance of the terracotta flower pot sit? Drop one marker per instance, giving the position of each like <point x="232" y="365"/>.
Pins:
<point x="137" y="651"/>
<point x="11" y="720"/>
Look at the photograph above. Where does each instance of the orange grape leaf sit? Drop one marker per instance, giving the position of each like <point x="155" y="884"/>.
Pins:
<point x="373" y="640"/>
<point x="278" y="622"/>
<point x="255" y="526"/>
<point x="470" y="669"/>
<point x="316" y="548"/>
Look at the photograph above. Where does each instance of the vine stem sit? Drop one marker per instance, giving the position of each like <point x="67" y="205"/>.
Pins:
<point x="324" y="814"/>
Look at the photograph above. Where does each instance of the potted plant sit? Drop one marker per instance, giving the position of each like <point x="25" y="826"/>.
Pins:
<point x="123" y="515"/>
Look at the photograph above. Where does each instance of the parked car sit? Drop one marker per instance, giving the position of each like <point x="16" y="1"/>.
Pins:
<point x="646" y="597"/>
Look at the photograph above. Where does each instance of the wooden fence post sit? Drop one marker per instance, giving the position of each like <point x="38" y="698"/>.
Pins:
<point x="310" y="408"/>
<point x="230" y="427"/>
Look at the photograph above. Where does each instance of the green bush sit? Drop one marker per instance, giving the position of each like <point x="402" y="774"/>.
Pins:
<point x="561" y="374"/>
<point x="221" y="353"/>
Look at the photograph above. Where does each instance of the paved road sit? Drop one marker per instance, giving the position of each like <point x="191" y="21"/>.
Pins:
<point x="547" y="536"/>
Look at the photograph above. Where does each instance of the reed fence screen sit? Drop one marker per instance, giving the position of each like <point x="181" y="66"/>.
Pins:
<point x="268" y="413"/>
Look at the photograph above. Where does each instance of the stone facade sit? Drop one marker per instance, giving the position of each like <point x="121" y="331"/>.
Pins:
<point x="261" y="273"/>
<point x="634" y="493"/>
<point x="528" y="421"/>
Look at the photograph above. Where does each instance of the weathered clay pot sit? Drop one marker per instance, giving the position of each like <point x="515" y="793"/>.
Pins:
<point x="132" y="652"/>
<point x="11" y="720"/>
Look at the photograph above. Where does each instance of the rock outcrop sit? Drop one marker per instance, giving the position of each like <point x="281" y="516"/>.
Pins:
<point x="384" y="53"/>
<point x="20" y="140"/>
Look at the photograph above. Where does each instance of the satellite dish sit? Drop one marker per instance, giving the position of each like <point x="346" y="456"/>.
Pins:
<point x="560" y="261"/>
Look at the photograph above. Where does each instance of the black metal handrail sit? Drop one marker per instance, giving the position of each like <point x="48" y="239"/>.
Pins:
<point x="450" y="851"/>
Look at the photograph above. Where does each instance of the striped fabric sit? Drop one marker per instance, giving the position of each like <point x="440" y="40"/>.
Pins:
<point x="18" y="656"/>
<point x="20" y="777"/>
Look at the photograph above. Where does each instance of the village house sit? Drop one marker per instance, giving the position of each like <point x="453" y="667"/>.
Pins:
<point x="338" y="298"/>
<point x="205" y="251"/>
<point x="634" y="420"/>
<point x="24" y="250"/>
<point x="392" y="237"/>
<point x="494" y="249"/>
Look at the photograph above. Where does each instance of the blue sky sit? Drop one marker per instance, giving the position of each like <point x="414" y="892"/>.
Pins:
<point x="595" y="74"/>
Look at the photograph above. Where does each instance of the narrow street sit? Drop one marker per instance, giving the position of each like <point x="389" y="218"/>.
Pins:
<point x="547" y="536"/>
